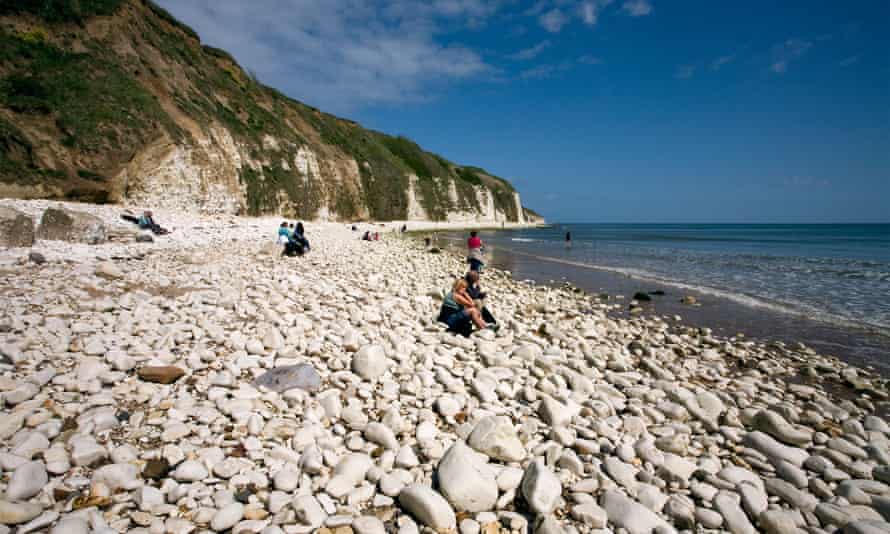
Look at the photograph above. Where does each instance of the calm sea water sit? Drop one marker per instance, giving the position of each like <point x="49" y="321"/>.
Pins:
<point x="838" y="274"/>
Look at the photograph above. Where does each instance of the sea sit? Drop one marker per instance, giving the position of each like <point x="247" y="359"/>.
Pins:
<point x="825" y="285"/>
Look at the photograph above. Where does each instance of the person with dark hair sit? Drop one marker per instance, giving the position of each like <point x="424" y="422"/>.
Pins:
<point x="568" y="239"/>
<point x="459" y="310"/>
<point x="283" y="233"/>
<point x="297" y="244"/>
<point x="475" y="252"/>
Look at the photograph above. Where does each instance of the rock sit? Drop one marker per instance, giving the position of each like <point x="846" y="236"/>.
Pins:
<point x="642" y="297"/>
<point x="144" y="238"/>
<point x="775" y="425"/>
<point x="370" y="362"/>
<point x="775" y="450"/>
<point x="788" y="493"/>
<point x="590" y="514"/>
<point x="147" y="497"/>
<point x="428" y="507"/>
<point x="555" y="413"/>
<point x="495" y="436"/>
<point x="631" y="515"/>
<point x="118" y="476"/>
<point x="309" y="511"/>
<point x="781" y="522"/>
<point x="689" y="300"/>
<point x="350" y="470"/>
<point x="866" y="527"/>
<point x="27" y="481"/>
<point x="367" y="524"/>
<point x="736" y="521"/>
<point x="156" y="469"/>
<point x="164" y="374"/>
<point x="36" y="258"/>
<point x="676" y="468"/>
<point x="301" y="376"/>
<point x="540" y="488"/>
<point x="15" y="513"/>
<point x="754" y="499"/>
<point x="74" y="226"/>
<point x="466" y="481"/>
<point x="16" y="228"/>
<point x="381" y="435"/>
<point x="547" y="524"/>
<point x="71" y="525"/>
<point x="190" y="471"/>
<point x="227" y="517"/>
<point x="108" y="270"/>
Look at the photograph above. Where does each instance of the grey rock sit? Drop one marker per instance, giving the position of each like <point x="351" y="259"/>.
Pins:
<point x="15" y="513"/>
<point x="867" y="527"/>
<point x="540" y="487"/>
<point x="775" y="425"/>
<point x="496" y="437"/>
<point x="781" y="522"/>
<point x="631" y="515"/>
<point x="73" y="226"/>
<point x="774" y="450"/>
<point x="301" y="376"/>
<point x="428" y="507"/>
<point x="370" y="362"/>
<point x="16" y="228"/>
<point x="466" y="480"/>
<point x="788" y="493"/>
<point x="26" y="481"/>
<point x="733" y="515"/>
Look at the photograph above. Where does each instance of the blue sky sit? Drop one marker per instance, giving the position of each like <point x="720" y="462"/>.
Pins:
<point x="603" y="110"/>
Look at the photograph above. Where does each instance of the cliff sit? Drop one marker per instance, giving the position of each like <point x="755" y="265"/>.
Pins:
<point x="117" y="101"/>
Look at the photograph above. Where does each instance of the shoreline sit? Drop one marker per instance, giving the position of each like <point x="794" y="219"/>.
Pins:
<point x="133" y="370"/>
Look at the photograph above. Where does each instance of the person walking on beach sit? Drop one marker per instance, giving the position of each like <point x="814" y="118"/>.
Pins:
<point x="568" y="239"/>
<point x="474" y="252"/>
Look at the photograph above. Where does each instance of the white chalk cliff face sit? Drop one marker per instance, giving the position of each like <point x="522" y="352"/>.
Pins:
<point x="203" y="175"/>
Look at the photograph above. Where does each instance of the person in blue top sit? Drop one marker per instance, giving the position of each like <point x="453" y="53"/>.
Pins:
<point x="147" y="222"/>
<point x="283" y="233"/>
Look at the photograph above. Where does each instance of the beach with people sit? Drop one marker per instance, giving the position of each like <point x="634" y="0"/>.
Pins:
<point x="204" y="382"/>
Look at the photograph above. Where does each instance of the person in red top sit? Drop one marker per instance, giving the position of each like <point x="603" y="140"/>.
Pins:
<point x="475" y="258"/>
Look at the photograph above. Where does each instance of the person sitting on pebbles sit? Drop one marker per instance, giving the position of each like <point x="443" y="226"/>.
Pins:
<point x="283" y="233"/>
<point x="478" y="296"/>
<point x="459" y="311"/>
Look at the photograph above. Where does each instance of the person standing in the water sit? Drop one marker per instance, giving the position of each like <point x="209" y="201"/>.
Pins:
<point x="568" y="239"/>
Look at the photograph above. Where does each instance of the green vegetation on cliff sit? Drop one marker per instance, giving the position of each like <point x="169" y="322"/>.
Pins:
<point x="86" y="85"/>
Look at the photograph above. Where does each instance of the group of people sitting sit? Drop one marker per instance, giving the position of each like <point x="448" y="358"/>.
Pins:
<point x="293" y="239"/>
<point x="145" y="222"/>
<point x="464" y="306"/>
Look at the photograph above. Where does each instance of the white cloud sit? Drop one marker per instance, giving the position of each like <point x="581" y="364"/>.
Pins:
<point x="846" y="62"/>
<point x="722" y="60"/>
<point x="553" y="20"/>
<point x="531" y="52"/>
<point x="342" y="54"/>
<point x="788" y="51"/>
<point x="637" y="8"/>
<point x="590" y="10"/>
